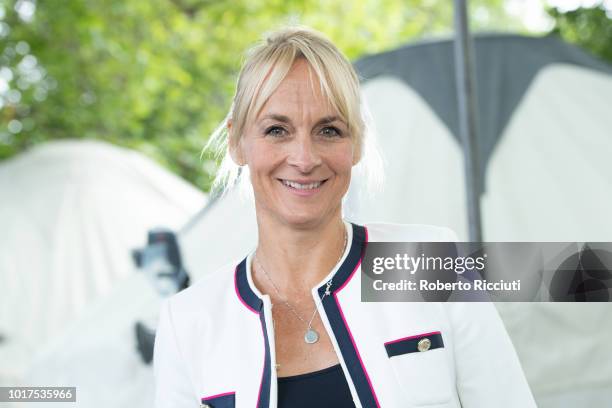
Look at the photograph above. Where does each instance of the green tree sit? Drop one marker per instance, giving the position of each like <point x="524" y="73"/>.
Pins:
<point x="590" y="28"/>
<point x="158" y="76"/>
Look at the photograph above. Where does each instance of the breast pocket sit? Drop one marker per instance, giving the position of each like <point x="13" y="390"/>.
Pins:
<point x="225" y="400"/>
<point x="420" y="365"/>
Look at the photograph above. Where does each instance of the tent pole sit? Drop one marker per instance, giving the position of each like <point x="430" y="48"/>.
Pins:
<point x="467" y="110"/>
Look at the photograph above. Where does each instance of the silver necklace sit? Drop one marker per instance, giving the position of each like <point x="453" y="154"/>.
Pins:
<point x="311" y="336"/>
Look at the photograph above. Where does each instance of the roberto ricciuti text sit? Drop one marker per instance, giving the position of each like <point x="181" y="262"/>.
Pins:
<point x="425" y="285"/>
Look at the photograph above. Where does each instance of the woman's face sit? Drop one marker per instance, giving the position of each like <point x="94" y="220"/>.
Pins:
<point x="299" y="153"/>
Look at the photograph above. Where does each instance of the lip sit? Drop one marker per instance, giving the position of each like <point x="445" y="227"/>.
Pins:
<point x="304" y="181"/>
<point x="305" y="192"/>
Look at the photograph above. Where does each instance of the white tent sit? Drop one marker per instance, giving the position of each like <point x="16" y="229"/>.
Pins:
<point x="543" y="131"/>
<point x="98" y="354"/>
<point x="544" y="143"/>
<point x="71" y="212"/>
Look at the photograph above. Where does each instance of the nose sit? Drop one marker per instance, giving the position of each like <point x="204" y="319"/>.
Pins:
<point x="304" y="155"/>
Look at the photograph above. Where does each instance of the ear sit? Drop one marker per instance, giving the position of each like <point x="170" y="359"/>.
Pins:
<point x="235" y="147"/>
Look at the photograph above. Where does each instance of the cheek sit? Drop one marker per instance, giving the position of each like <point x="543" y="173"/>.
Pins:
<point x="342" y="161"/>
<point x="257" y="156"/>
<point x="254" y="160"/>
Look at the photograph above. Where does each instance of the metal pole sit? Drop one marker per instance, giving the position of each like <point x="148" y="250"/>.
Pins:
<point x="467" y="110"/>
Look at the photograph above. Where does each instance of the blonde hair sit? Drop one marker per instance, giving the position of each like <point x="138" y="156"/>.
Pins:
<point x="265" y="67"/>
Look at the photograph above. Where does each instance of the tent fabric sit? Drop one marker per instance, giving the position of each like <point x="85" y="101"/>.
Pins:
<point x="97" y="352"/>
<point x="222" y="234"/>
<point x="555" y="146"/>
<point x="564" y="349"/>
<point x="551" y="169"/>
<point x="71" y="212"/>
<point x="505" y="66"/>
<point x="418" y="187"/>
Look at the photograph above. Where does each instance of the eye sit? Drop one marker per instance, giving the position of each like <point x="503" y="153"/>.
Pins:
<point x="331" y="131"/>
<point x="275" y="131"/>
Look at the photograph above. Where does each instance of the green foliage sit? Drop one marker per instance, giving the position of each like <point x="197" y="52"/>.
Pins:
<point x="158" y="76"/>
<point x="591" y="28"/>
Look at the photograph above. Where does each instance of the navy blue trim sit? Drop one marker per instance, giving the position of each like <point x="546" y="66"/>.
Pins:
<point x="352" y="259"/>
<point x="346" y="269"/>
<point x="264" y="394"/>
<point x="410" y="344"/>
<point x="223" y="401"/>
<point x="341" y="332"/>
<point x="244" y="289"/>
<point x="253" y="302"/>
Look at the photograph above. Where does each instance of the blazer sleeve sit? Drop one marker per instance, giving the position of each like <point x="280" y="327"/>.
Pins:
<point x="172" y="382"/>
<point x="488" y="370"/>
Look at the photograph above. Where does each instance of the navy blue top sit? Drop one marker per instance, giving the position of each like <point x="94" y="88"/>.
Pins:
<point x="326" y="388"/>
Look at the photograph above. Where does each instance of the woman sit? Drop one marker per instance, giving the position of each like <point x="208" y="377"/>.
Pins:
<point x="286" y="327"/>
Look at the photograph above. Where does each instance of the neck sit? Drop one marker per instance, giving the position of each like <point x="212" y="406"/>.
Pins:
<point x="297" y="259"/>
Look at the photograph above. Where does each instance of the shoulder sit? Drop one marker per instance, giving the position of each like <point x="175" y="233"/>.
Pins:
<point x="409" y="233"/>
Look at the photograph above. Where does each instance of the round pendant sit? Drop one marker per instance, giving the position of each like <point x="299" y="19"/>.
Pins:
<point x="311" y="336"/>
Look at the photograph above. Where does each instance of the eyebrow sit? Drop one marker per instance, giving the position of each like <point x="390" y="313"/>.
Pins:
<point x="285" y="119"/>
<point x="274" y="116"/>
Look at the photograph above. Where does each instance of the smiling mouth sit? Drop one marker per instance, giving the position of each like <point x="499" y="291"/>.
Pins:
<point x="300" y="186"/>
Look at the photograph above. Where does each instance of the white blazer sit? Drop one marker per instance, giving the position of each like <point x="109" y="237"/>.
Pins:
<point x="215" y="341"/>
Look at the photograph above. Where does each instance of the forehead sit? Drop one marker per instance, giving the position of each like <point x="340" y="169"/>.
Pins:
<point x="299" y="92"/>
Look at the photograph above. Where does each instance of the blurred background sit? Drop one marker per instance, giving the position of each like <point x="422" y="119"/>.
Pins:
<point x="105" y="208"/>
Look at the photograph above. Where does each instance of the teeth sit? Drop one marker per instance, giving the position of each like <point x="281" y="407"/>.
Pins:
<point x="302" y="186"/>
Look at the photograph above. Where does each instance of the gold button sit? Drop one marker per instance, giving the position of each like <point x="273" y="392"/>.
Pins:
<point x="424" y="344"/>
